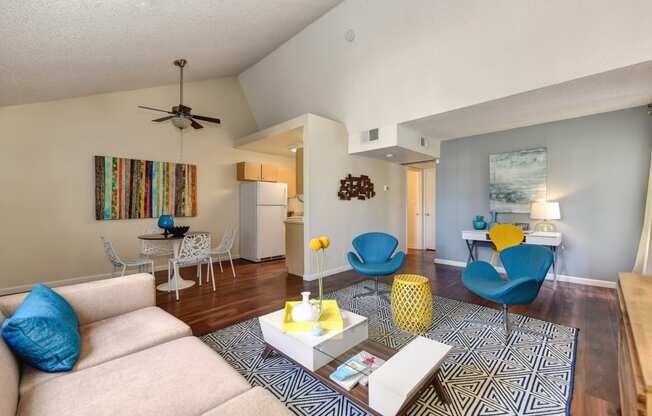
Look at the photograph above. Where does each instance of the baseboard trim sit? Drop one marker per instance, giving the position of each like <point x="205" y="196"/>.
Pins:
<point x="81" y="279"/>
<point x="560" y="277"/>
<point x="329" y="272"/>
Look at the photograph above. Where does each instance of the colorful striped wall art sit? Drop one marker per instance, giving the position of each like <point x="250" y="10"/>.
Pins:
<point x="131" y="188"/>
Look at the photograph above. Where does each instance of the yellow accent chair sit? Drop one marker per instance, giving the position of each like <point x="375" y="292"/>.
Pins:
<point x="411" y="303"/>
<point x="504" y="236"/>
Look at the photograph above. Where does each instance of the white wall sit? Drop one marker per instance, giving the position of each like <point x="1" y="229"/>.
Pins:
<point x="359" y="140"/>
<point x="326" y="161"/>
<point x="47" y="180"/>
<point x="415" y="58"/>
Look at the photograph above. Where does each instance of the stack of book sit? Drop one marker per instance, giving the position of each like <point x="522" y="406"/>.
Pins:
<point x="356" y="370"/>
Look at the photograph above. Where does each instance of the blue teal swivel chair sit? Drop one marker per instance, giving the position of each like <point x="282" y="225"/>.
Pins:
<point x="374" y="258"/>
<point x="526" y="267"/>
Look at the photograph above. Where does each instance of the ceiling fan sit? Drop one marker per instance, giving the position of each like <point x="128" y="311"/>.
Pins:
<point x="180" y="115"/>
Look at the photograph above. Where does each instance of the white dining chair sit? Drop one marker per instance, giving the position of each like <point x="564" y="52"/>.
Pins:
<point x="225" y="246"/>
<point x="123" y="264"/>
<point x="195" y="250"/>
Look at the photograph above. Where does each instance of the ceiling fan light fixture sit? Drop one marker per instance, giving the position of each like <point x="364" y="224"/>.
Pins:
<point x="181" y="122"/>
<point x="181" y="115"/>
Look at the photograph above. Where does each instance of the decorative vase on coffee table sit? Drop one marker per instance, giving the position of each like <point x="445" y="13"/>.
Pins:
<point x="305" y="311"/>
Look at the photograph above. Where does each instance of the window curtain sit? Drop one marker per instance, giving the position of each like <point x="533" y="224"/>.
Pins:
<point x="643" y="263"/>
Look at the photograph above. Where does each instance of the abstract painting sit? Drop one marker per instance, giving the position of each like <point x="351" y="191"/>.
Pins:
<point x="516" y="179"/>
<point x="131" y="188"/>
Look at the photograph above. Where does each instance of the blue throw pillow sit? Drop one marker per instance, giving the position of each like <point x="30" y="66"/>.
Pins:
<point x="44" y="331"/>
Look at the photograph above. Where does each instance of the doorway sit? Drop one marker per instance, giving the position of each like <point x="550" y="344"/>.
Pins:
<point x="421" y="206"/>
<point x="414" y="208"/>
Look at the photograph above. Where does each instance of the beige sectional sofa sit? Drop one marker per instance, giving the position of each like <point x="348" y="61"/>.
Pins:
<point x="136" y="359"/>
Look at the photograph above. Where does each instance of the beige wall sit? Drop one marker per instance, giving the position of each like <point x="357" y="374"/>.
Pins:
<point x="46" y="173"/>
<point x="326" y="161"/>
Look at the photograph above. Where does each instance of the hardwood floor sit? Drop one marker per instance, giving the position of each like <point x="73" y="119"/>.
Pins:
<point x="262" y="288"/>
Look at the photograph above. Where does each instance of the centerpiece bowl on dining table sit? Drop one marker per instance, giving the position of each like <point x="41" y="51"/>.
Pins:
<point x="179" y="231"/>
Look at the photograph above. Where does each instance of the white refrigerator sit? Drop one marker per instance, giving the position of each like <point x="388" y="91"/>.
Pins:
<point x="263" y="211"/>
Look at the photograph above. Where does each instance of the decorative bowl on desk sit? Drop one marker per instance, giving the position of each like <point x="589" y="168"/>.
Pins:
<point x="179" y="230"/>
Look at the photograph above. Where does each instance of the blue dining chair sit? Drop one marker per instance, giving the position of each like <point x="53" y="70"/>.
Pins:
<point x="526" y="266"/>
<point x="374" y="258"/>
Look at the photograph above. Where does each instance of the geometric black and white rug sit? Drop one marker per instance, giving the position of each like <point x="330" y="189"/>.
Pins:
<point x="529" y="374"/>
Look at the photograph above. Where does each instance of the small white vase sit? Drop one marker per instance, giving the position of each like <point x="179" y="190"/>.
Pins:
<point x="305" y="311"/>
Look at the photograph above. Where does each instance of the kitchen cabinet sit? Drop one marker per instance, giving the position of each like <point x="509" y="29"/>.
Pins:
<point x="269" y="173"/>
<point x="248" y="171"/>
<point x="287" y="175"/>
<point x="294" y="246"/>
<point x="256" y="172"/>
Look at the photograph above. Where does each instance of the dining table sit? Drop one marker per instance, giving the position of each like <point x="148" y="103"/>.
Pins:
<point x="175" y="241"/>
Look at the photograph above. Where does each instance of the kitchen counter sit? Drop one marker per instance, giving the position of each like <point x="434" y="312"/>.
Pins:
<point x="294" y="246"/>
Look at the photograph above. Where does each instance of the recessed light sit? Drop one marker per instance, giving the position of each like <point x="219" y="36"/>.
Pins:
<point x="388" y="155"/>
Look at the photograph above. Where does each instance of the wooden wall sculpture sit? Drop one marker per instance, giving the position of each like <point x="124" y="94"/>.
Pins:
<point x="356" y="187"/>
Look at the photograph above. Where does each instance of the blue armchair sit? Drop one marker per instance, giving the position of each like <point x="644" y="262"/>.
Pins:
<point x="374" y="258"/>
<point x="526" y="267"/>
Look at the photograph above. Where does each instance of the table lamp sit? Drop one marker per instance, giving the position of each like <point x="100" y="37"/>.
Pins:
<point x="545" y="211"/>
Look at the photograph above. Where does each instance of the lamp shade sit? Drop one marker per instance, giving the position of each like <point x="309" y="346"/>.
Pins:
<point x="545" y="211"/>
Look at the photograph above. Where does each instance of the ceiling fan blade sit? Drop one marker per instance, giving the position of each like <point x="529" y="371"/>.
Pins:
<point x="204" y="118"/>
<point x="155" y="109"/>
<point x="196" y="125"/>
<point x="163" y="118"/>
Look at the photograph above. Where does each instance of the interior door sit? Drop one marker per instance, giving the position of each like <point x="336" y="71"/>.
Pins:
<point x="414" y="220"/>
<point x="429" y="207"/>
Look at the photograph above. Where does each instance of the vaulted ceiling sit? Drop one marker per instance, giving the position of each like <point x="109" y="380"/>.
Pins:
<point x="58" y="49"/>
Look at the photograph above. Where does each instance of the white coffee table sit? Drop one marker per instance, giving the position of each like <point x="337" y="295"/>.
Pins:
<point x="312" y="352"/>
<point x="394" y="386"/>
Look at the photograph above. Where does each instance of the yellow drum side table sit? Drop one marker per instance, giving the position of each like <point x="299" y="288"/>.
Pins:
<point x="411" y="303"/>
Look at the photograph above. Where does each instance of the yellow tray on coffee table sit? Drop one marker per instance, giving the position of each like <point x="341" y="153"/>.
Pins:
<point x="330" y="318"/>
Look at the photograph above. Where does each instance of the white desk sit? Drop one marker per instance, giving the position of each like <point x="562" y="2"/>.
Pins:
<point x="551" y="240"/>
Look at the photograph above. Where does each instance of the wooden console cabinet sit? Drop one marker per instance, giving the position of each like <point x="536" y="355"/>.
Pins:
<point x="635" y="344"/>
